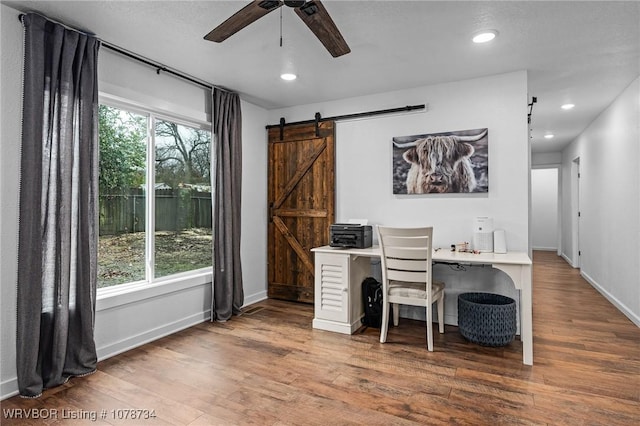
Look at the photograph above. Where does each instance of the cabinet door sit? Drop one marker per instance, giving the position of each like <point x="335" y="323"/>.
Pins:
<point x="332" y="287"/>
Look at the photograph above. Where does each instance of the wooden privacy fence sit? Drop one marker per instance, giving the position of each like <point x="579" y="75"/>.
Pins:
<point x="176" y="209"/>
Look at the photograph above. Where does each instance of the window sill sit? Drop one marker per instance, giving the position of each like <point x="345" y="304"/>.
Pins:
<point x="124" y="294"/>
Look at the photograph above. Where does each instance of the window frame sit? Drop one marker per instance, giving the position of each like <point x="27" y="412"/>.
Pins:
<point x="151" y="286"/>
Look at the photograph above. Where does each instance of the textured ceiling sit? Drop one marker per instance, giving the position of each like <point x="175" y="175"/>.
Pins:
<point x="585" y="53"/>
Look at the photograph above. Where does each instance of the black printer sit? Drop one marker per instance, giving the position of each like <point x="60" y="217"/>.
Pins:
<point x="350" y="235"/>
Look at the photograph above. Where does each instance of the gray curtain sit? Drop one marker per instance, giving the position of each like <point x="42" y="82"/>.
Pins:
<point x="57" y="244"/>
<point x="227" y="294"/>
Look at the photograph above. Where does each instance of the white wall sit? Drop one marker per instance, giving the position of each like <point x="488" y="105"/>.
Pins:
<point x="253" y="248"/>
<point x="544" y="209"/>
<point x="546" y="159"/>
<point x="363" y="166"/>
<point x="609" y="196"/>
<point x="126" y="321"/>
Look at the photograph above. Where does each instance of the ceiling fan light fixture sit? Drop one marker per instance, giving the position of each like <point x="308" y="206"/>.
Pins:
<point x="485" y="36"/>
<point x="567" y="106"/>
<point x="287" y="76"/>
<point x="269" y="4"/>
<point x="309" y="9"/>
<point x="294" y="3"/>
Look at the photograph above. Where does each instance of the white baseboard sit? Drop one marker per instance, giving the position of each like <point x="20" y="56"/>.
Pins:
<point x="255" y="298"/>
<point x="165" y="330"/>
<point x="545" y="248"/>
<point x="614" y="301"/>
<point x="9" y="388"/>
<point x="568" y="260"/>
<point x="148" y="336"/>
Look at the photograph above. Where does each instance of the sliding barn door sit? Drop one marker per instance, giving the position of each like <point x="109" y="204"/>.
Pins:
<point x="301" y="206"/>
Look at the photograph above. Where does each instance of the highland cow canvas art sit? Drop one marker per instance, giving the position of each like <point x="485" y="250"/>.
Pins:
<point x="439" y="163"/>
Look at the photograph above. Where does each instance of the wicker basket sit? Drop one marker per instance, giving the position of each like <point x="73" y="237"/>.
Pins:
<point x="487" y="319"/>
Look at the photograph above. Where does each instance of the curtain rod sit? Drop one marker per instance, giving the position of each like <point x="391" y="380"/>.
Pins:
<point x="158" y="66"/>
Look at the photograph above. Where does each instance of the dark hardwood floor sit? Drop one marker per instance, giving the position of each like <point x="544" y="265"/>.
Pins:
<point x="270" y="367"/>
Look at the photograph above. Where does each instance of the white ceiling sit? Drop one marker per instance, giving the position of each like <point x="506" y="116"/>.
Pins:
<point x="584" y="53"/>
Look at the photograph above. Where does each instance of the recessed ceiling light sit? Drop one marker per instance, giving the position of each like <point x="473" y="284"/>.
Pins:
<point x="288" y="76"/>
<point x="549" y="136"/>
<point x="485" y="36"/>
<point x="567" y="106"/>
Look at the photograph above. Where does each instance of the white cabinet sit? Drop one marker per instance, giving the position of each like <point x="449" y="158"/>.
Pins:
<point x="332" y="287"/>
<point x="338" y="294"/>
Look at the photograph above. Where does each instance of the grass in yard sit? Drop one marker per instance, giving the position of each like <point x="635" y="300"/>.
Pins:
<point x="121" y="257"/>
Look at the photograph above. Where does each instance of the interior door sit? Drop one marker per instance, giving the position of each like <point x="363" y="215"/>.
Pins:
<point x="301" y="196"/>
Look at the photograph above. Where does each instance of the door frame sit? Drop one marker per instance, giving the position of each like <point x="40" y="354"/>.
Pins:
<point x="558" y="213"/>
<point x="575" y="211"/>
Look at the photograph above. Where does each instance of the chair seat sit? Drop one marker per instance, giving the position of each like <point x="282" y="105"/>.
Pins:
<point x="413" y="290"/>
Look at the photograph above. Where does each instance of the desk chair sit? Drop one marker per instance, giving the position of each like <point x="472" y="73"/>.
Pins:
<point x="406" y="275"/>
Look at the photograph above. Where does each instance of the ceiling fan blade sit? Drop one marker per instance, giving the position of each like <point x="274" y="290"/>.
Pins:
<point x="320" y="23"/>
<point x="245" y="16"/>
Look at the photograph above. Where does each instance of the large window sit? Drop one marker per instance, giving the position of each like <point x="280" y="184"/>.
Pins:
<point x="155" y="196"/>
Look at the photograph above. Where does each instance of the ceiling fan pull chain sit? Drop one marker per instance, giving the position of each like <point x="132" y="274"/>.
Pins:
<point x="280" y="27"/>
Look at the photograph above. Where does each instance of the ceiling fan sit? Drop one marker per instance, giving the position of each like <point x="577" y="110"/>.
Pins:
<point x="312" y="13"/>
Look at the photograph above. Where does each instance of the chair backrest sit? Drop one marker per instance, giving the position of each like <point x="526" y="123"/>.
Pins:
<point x="406" y="254"/>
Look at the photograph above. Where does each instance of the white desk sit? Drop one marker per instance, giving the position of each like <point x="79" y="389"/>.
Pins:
<point x="339" y="273"/>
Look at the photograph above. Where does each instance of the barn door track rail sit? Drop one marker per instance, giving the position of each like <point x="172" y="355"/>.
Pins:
<point x="318" y="118"/>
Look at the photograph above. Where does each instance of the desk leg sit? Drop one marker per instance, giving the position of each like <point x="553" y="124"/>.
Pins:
<point x="521" y="277"/>
<point x="526" y="316"/>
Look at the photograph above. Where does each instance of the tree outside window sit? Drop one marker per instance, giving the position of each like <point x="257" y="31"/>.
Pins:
<point x="183" y="198"/>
